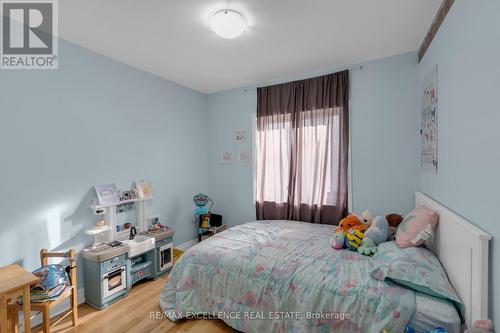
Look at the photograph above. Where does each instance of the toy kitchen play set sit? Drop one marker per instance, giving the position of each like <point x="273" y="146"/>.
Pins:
<point x="123" y="255"/>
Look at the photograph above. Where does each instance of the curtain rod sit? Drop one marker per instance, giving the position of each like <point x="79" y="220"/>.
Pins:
<point x="356" y="68"/>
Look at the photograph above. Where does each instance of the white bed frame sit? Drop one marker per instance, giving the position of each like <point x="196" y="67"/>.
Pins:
<point x="463" y="250"/>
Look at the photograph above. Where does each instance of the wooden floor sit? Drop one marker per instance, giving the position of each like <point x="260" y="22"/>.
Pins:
<point x="133" y="314"/>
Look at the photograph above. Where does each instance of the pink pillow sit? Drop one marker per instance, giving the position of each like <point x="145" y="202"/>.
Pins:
<point x="417" y="227"/>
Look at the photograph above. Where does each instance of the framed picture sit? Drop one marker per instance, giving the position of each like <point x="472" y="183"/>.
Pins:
<point x="226" y="157"/>
<point x="428" y="122"/>
<point x="243" y="157"/>
<point x="239" y="136"/>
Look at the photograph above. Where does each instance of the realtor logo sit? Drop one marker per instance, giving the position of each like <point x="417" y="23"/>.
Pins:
<point x="28" y="29"/>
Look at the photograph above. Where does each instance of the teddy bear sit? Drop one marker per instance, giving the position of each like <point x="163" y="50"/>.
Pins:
<point x="394" y="220"/>
<point x="349" y="233"/>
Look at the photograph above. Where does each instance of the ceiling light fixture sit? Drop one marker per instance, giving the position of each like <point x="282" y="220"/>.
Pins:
<point x="228" y="24"/>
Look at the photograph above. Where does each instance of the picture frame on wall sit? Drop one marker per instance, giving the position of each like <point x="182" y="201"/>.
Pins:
<point x="226" y="157"/>
<point x="243" y="157"/>
<point x="239" y="136"/>
<point x="429" y="107"/>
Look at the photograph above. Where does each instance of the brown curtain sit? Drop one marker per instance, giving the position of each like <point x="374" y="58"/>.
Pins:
<point x="302" y="144"/>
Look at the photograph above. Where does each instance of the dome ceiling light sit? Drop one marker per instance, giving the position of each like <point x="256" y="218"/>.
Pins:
<point x="228" y="23"/>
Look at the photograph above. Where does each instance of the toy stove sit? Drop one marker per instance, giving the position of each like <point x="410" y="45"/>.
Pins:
<point x="105" y="273"/>
<point x="104" y="251"/>
<point x="105" y="246"/>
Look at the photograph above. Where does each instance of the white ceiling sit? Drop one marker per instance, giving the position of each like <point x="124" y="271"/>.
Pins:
<point x="170" y="38"/>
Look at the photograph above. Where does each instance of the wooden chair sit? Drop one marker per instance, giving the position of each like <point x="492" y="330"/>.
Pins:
<point x="44" y="307"/>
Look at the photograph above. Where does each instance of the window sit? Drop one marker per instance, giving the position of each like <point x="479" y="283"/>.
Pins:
<point x="301" y="157"/>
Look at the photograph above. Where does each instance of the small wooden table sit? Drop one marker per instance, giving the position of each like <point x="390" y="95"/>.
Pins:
<point x="15" y="281"/>
<point x="204" y="233"/>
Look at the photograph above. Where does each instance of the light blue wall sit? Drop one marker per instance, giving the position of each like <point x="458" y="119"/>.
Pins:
<point x="384" y="121"/>
<point x="231" y="185"/>
<point x="467" y="50"/>
<point x="93" y="121"/>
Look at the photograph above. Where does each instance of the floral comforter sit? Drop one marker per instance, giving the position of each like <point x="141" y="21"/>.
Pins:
<point x="283" y="276"/>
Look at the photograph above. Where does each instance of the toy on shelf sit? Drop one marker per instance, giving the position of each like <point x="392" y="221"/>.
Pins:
<point x="107" y="194"/>
<point x="155" y="226"/>
<point x="200" y="200"/>
<point x="202" y="212"/>
<point x="349" y="233"/>
<point x="143" y="189"/>
<point x="376" y="234"/>
<point x="205" y="221"/>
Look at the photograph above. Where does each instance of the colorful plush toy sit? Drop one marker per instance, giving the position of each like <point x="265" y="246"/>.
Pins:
<point x="339" y="241"/>
<point x="481" y="326"/>
<point x="354" y="239"/>
<point x="349" y="233"/>
<point x="351" y="222"/>
<point x="377" y="233"/>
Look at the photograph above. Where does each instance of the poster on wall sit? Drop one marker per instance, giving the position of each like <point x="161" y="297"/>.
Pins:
<point x="428" y="124"/>
<point x="239" y="136"/>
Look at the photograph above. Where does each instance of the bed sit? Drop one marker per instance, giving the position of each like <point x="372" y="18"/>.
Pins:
<point x="283" y="276"/>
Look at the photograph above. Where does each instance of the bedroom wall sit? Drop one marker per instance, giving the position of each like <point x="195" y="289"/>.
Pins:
<point x="384" y="120"/>
<point x="92" y="121"/>
<point x="466" y="50"/>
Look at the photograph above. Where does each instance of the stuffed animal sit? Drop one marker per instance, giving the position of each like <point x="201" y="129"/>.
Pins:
<point x="367" y="217"/>
<point x="349" y="233"/>
<point x="338" y="242"/>
<point x="394" y="221"/>
<point x="354" y="239"/>
<point x="376" y="234"/>
<point x="378" y="230"/>
<point x="351" y="222"/>
<point x="481" y="326"/>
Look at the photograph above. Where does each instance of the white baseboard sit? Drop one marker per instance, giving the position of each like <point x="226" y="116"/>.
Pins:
<point x="187" y="245"/>
<point x="56" y="310"/>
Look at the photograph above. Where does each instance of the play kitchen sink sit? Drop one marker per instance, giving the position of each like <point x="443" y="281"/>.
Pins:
<point x="140" y="258"/>
<point x="139" y="245"/>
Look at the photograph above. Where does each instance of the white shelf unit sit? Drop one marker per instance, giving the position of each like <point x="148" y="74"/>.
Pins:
<point x="108" y="232"/>
<point x="97" y="230"/>
<point x="95" y="206"/>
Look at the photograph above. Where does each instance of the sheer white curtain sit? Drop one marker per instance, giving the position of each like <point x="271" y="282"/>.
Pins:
<point x="317" y="165"/>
